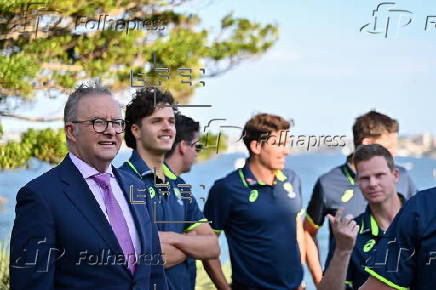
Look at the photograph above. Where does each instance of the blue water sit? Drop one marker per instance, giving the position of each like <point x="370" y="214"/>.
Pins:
<point x="308" y="167"/>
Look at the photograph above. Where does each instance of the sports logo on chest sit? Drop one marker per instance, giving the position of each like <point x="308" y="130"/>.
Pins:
<point x="178" y="196"/>
<point x="151" y="191"/>
<point x="369" y="245"/>
<point x="254" y="194"/>
<point x="287" y="186"/>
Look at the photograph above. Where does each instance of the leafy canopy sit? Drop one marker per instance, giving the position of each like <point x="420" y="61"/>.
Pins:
<point x="49" y="46"/>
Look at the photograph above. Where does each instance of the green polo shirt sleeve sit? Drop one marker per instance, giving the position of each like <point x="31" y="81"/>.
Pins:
<point x="193" y="213"/>
<point x="217" y="206"/>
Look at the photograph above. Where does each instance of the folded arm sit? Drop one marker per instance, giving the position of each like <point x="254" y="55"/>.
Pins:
<point x="199" y="243"/>
<point x="172" y="254"/>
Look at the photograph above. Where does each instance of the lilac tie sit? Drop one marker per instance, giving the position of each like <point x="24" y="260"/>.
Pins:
<point x="116" y="219"/>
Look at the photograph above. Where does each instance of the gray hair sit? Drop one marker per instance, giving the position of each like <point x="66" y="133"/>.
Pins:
<point x="95" y="88"/>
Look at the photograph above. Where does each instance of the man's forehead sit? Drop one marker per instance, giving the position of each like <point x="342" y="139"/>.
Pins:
<point x="387" y="136"/>
<point x="162" y="112"/>
<point x="378" y="163"/>
<point x="98" y="105"/>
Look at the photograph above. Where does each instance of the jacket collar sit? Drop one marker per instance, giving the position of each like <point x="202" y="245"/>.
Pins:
<point x="78" y="192"/>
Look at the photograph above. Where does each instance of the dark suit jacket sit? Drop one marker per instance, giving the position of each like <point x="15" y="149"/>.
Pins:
<point x="61" y="239"/>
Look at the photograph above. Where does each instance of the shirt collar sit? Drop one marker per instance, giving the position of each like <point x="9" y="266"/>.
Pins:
<point x="369" y="224"/>
<point x="140" y="167"/>
<point x="248" y="178"/>
<point x="349" y="162"/>
<point x="349" y="172"/>
<point x="85" y="169"/>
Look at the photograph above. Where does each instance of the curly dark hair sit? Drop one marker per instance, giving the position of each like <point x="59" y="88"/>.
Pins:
<point x="143" y="105"/>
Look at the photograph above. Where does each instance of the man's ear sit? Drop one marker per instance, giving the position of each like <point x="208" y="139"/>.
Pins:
<point x="255" y="147"/>
<point x="135" y="130"/>
<point x="396" y="173"/>
<point x="182" y="147"/>
<point x="70" y="131"/>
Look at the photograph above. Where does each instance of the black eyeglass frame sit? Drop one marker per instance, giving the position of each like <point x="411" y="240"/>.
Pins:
<point x="198" y="146"/>
<point x="123" y="124"/>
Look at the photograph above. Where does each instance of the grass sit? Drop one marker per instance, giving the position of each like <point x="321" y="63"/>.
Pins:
<point x="4" y="266"/>
<point x="204" y="283"/>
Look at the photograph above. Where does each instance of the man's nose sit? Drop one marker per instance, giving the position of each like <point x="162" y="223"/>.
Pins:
<point x="372" y="181"/>
<point x="110" y="130"/>
<point x="286" y="149"/>
<point x="167" y="125"/>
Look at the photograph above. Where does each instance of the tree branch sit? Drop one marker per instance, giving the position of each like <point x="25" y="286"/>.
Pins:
<point x="62" y="67"/>
<point x="32" y="119"/>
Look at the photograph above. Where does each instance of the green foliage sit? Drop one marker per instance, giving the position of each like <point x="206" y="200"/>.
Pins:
<point x="4" y="266"/>
<point x="47" y="145"/>
<point x="44" y="46"/>
<point x="56" y="54"/>
<point x="213" y="145"/>
<point x="1" y="130"/>
<point x="14" y="154"/>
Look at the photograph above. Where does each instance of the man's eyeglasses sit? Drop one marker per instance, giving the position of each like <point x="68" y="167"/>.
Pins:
<point x="198" y="147"/>
<point x="196" y="144"/>
<point x="100" y="125"/>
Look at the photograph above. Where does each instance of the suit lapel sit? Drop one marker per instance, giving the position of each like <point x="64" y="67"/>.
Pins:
<point x="138" y="211"/>
<point x="78" y="192"/>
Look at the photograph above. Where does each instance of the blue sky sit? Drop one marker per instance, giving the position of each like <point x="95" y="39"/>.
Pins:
<point x="322" y="72"/>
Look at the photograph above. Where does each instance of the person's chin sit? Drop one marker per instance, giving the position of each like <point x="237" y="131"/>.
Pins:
<point x="108" y="155"/>
<point x="167" y="144"/>
<point x="376" y="198"/>
<point x="279" y="166"/>
<point x="164" y="149"/>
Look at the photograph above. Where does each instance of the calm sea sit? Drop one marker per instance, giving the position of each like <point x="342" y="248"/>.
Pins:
<point x="308" y="166"/>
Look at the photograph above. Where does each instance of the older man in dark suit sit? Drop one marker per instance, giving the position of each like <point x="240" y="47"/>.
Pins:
<point x="83" y="225"/>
